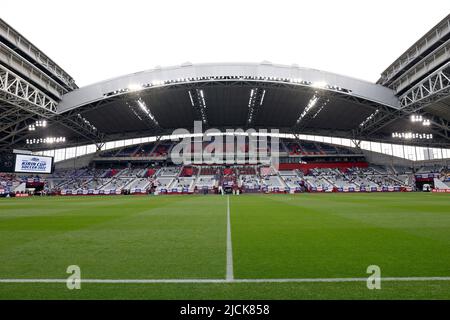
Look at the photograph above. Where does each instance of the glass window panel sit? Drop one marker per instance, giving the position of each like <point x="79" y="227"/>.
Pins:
<point x="337" y="141"/>
<point x="346" y="142"/>
<point x="365" y="145"/>
<point x="81" y="151"/>
<point x="59" y="154"/>
<point x="70" y="153"/>
<point x="410" y="152"/>
<point x="386" y="148"/>
<point x="110" y="145"/>
<point x="91" y="148"/>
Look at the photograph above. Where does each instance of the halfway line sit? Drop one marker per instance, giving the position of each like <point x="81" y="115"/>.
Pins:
<point x="230" y="272"/>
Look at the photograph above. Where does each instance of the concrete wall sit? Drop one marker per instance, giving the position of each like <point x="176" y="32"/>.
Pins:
<point x="384" y="159"/>
<point x="75" y="163"/>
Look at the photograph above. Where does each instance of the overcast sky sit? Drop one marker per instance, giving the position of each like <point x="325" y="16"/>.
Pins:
<point x="96" y="40"/>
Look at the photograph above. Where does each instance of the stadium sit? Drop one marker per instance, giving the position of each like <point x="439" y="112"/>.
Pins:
<point x="225" y="180"/>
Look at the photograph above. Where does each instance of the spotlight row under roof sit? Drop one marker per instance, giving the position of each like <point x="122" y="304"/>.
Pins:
<point x="48" y="140"/>
<point x="133" y="87"/>
<point x="412" y="135"/>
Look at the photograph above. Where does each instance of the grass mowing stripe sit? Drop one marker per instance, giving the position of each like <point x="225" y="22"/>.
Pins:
<point x="283" y="247"/>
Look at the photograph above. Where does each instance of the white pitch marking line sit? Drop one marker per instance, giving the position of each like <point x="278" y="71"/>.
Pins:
<point x="230" y="272"/>
<point x="298" y="280"/>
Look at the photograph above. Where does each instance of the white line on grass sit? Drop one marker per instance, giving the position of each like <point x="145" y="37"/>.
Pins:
<point x="230" y="272"/>
<point x="298" y="280"/>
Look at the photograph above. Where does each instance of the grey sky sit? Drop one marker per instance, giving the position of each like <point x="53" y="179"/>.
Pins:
<point x="95" y="40"/>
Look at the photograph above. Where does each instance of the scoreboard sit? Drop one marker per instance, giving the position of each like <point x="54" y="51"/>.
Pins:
<point x="25" y="163"/>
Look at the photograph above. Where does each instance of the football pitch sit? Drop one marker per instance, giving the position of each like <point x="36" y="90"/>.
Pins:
<point x="305" y="246"/>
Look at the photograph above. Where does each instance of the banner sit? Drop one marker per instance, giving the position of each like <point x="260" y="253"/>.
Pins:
<point x="441" y="190"/>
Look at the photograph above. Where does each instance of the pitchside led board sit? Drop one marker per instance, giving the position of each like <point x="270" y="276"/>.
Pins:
<point x="28" y="163"/>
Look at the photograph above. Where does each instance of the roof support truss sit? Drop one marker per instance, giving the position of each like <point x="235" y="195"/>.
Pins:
<point x="22" y="104"/>
<point x="431" y="89"/>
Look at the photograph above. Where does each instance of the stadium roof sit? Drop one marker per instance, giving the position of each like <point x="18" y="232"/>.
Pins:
<point x="230" y="95"/>
<point x="227" y="95"/>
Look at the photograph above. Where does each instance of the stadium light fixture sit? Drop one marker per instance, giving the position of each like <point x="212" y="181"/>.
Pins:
<point x="250" y="105"/>
<point x="319" y="84"/>
<point x="190" y="97"/>
<point x="143" y="106"/>
<point x="203" y="98"/>
<point x="86" y="122"/>
<point x="200" y="97"/>
<point x="253" y="102"/>
<point x="262" y="98"/>
<point x="47" y="140"/>
<point x="370" y="117"/>
<point x="135" y="87"/>
<point x="412" y="135"/>
<point x="416" y="118"/>
<point x="312" y="102"/>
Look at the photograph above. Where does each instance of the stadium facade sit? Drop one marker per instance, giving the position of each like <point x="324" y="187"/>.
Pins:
<point x="336" y="133"/>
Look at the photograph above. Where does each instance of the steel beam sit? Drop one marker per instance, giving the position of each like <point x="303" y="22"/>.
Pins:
<point x="21" y="44"/>
<point x="19" y="96"/>
<point x="414" y="52"/>
<point x="431" y="89"/>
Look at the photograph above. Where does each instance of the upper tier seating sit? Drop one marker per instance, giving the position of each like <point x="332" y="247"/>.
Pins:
<point x="310" y="148"/>
<point x="189" y="171"/>
<point x="248" y="170"/>
<point x="294" y="148"/>
<point x="161" y="150"/>
<point x="144" y="150"/>
<point x="209" y="171"/>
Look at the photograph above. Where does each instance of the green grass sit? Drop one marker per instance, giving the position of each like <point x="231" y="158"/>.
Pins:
<point x="184" y="237"/>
